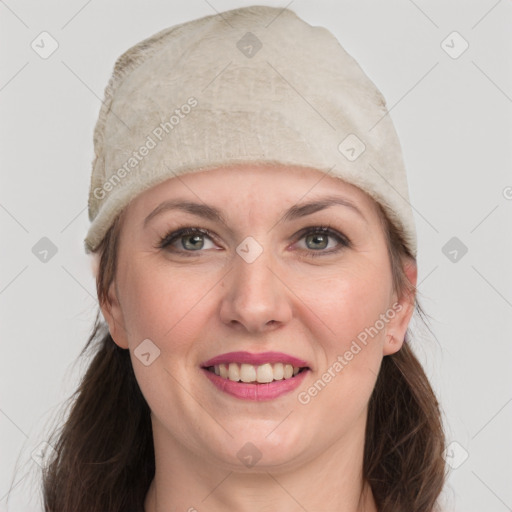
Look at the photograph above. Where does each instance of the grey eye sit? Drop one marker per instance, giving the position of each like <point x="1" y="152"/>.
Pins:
<point x="318" y="241"/>
<point x="196" y="242"/>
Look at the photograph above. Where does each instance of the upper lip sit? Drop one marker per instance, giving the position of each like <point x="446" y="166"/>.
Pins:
<point x="255" y="359"/>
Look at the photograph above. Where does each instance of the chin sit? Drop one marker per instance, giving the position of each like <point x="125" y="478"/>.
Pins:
<point x="256" y="449"/>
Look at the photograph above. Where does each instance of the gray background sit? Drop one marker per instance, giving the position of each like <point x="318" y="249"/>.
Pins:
<point x="453" y="117"/>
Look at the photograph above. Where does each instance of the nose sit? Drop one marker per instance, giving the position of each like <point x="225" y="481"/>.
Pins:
<point x="256" y="297"/>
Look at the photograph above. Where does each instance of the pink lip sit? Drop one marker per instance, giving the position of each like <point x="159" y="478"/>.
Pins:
<point x="255" y="359"/>
<point x="254" y="391"/>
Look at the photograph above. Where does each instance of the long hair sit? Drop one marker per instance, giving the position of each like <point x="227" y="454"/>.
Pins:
<point x="104" y="456"/>
<point x="405" y="441"/>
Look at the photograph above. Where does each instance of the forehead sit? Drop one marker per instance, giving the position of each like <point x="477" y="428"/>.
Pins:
<point x="265" y="185"/>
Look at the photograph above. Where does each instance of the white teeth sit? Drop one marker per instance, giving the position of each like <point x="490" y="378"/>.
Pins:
<point x="234" y="372"/>
<point x="223" y="369"/>
<point x="278" y="371"/>
<point x="247" y="373"/>
<point x="263" y="373"/>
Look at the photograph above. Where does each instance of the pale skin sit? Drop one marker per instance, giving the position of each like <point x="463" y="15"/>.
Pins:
<point x="213" y="301"/>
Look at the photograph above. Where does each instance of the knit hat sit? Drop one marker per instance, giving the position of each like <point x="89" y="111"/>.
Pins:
<point x="254" y="84"/>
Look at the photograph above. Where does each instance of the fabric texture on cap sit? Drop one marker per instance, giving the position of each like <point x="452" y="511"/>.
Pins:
<point x="255" y="84"/>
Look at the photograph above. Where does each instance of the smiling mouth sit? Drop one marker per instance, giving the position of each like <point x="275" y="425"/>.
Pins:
<point x="256" y="374"/>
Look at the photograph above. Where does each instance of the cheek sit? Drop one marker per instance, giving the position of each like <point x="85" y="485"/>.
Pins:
<point x="169" y="307"/>
<point x="351" y="337"/>
<point x="349" y="301"/>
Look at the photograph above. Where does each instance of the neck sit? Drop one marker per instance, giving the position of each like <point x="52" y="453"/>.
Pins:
<point x="331" y="481"/>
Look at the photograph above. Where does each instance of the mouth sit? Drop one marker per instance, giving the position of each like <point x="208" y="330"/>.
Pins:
<point x="256" y="374"/>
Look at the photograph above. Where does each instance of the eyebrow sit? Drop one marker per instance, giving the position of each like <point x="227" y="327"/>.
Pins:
<point x="298" y="211"/>
<point x="201" y="210"/>
<point x="293" y="213"/>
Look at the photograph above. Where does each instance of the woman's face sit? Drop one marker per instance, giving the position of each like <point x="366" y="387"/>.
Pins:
<point x="266" y="279"/>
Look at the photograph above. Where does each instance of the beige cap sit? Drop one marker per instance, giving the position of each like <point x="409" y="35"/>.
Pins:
<point x="255" y="84"/>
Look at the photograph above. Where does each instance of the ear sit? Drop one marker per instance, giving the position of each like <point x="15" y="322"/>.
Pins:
<point x="114" y="316"/>
<point x="404" y="309"/>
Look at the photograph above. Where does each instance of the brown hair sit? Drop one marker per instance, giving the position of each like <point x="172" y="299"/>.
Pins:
<point x="405" y="441"/>
<point x="104" y="455"/>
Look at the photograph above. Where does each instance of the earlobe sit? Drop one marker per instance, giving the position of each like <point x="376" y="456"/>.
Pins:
<point x="113" y="315"/>
<point x="397" y="327"/>
<point x="392" y="345"/>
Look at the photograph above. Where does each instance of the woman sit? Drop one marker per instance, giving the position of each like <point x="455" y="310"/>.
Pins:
<point x="256" y="269"/>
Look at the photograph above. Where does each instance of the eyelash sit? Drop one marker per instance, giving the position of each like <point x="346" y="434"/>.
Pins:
<point x="327" y="230"/>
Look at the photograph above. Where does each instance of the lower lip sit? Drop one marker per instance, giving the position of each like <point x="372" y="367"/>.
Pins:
<point x="255" y="391"/>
